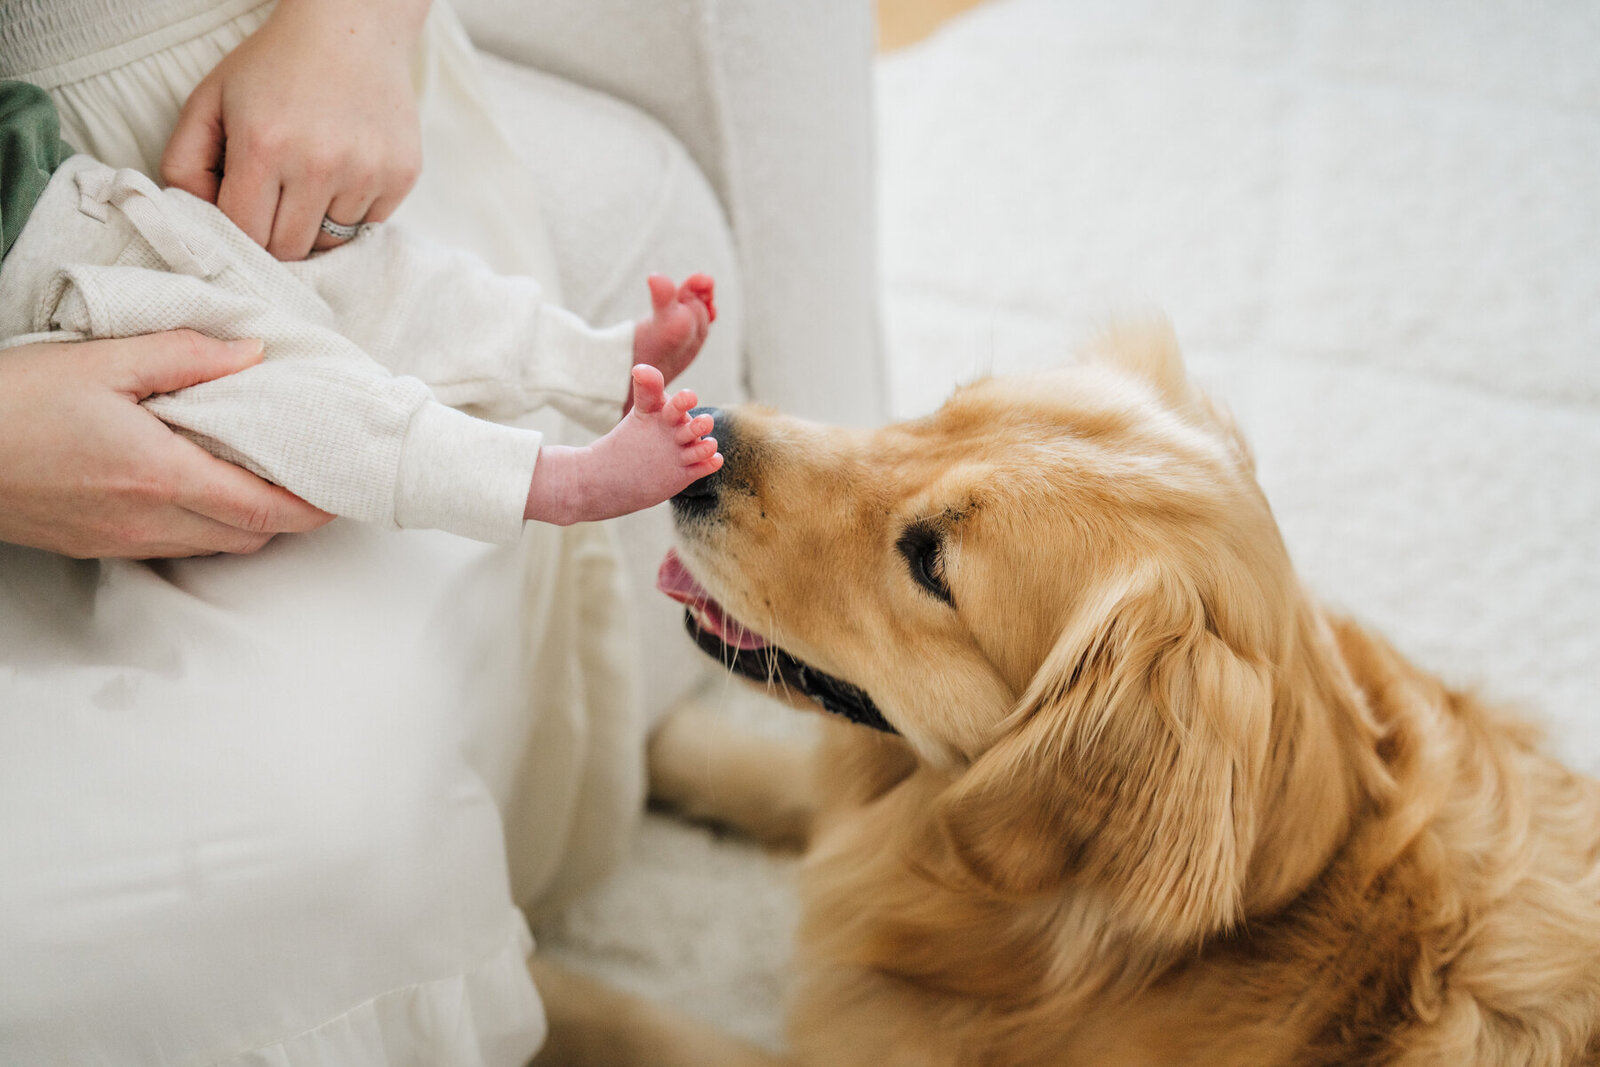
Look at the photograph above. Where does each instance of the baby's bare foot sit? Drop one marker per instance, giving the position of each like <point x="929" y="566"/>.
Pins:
<point x="657" y="450"/>
<point x="680" y="317"/>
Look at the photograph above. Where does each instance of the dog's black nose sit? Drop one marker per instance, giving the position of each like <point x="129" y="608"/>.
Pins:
<point x="701" y="496"/>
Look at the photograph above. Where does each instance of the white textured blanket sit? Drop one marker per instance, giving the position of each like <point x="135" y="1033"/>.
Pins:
<point x="1376" y="227"/>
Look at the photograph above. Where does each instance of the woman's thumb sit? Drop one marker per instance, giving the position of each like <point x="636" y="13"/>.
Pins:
<point x="167" y="362"/>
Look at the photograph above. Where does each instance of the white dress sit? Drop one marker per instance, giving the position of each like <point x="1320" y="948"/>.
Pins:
<point x="256" y="810"/>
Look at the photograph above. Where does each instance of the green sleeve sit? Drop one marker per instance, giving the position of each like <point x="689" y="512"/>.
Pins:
<point x="30" y="150"/>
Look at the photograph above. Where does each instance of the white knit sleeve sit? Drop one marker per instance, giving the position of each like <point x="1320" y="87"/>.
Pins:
<point x="484" y="342"/>
<point x="317" y="416"/>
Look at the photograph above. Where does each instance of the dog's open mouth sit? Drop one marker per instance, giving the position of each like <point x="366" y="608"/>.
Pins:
<point x="743" y="650"/>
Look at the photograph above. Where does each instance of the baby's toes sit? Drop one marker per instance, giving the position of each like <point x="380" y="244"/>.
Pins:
<point x="710" y="465"/>
<point x="704" y="293"/>
<point x="702" y="323"/>
<point x="699" y="293"/>
<point x="649" y="389"/>
<point x="700" y="286"/>
<point x="682" y="402"/>
<point x="696" y="427"/>
<point x="662" y="291"/>
<point x="700" y="451"/>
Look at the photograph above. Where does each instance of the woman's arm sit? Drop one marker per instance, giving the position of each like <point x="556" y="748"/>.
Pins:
<point x="86" y="472"/>
<point x="313" y="115"/>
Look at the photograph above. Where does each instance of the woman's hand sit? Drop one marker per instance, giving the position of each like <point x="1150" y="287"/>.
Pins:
<point x="86" y="472"/>
<point x="313" y="115"/>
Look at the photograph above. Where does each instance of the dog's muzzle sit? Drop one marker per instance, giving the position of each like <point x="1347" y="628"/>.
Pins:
<point x="725" y="638"/>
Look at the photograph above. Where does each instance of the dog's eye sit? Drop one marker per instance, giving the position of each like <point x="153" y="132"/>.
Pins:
<point x="924" y="552"/>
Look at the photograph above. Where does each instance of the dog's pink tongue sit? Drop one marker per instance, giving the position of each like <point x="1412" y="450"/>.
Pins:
<point x="675" y="580"/>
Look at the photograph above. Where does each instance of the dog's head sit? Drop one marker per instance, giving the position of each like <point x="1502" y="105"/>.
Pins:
<point x="1066" y="592"/>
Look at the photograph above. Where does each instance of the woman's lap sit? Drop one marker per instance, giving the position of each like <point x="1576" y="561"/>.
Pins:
<point x="235" y="801"/>
<point x="248" y="799"/>
<point x="249" y="806"/>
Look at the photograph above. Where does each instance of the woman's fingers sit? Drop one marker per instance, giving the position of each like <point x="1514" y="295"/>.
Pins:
<point x="232" y="497"/>
<point x="398" y="178"/>
<point x="166" y="362"/>
<point x="249" y="193"/>
<point x="86" y="471"/>
<point x="296" y="226"/>
<point x="224" y="508"/>
<point x="227" y="166"/>
<point x="182" y="533"/>
<point x="313" y="115"/>
<point x="193" y="158"/>
<point x="347" y="209"/>
<point x="210" y="488"/>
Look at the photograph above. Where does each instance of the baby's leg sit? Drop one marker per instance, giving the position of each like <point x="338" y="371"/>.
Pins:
<point x="657" y="450"/>
<point x="482" y="341"/>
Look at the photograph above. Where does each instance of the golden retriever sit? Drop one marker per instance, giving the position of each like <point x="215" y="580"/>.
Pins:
<point x="1116" y="790"/>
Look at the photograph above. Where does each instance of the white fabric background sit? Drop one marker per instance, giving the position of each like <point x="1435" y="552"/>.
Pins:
<point x="1377" y="230"/>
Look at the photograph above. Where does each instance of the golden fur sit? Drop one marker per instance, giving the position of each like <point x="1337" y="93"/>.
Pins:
<point x="1150" y="804"/>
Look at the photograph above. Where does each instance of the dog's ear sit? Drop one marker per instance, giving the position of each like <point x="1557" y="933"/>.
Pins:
<point x="1130" y="767"/>
<point x="1148" y="349"/>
